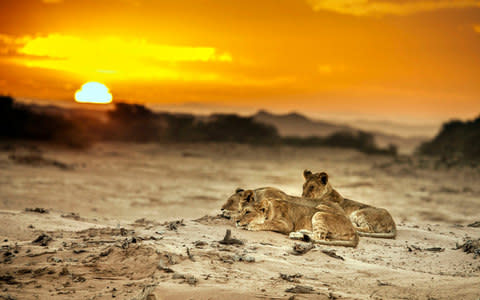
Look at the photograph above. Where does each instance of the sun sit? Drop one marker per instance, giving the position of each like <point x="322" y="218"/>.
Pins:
<point x="93" y="92"/>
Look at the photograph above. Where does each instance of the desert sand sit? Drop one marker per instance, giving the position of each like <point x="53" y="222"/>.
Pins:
<point x="141" y="222"/>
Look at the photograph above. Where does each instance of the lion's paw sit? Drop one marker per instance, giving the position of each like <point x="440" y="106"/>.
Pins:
<point x="296" y="235"/>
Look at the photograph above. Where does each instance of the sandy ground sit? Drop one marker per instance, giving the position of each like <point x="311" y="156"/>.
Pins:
<point x="107" y="231"/>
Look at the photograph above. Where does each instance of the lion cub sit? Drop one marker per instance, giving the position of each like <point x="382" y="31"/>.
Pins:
<point x="233" y="206"/>
<point x="321" y="222"/>
<point x="368" y="220"/>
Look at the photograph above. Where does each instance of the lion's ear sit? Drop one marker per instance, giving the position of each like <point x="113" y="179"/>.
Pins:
<point x="307" y="174"/>
<point x="324" y="178"/>
<point x="239" y="190"/>
<point x="248" y="196"/>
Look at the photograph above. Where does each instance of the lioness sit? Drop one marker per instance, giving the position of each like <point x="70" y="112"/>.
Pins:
<point x="324" y="224"/>
<point x="368" y="220"/>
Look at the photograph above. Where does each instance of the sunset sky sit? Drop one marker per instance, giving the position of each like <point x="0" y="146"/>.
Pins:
<point x="417" y="60"/>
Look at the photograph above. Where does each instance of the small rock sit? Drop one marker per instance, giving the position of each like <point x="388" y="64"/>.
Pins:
<point x="71" y="215"/>
<point x="471" y="246"/>
<point x="178" y="276"/>
<point x="291" y="278"/>
<point x="42" y="240"/>
<point x="299" y="249"/>
<point x="8" y="279"/>
<point x="228" y="240"/>
<point x="474" y="224"/>
<point x="78" y="278"/>
<point x="175" y="224"/>
<point x="200" y="244"/>
<point x="191" y="280"/>
<point x="333" y="254"/>
<point x="37" y="210"/>
<point x="249" y="259"/>
<point x="106" y="252"/>
<point x="164" y="268"/>
<point x="64" y="271"/>
<point x="151" y="297"/>
<point x="435" y="249"/>
<point x="381" y="283"/>
<point x="300" y="289"/>
<point x="56" y="259"/>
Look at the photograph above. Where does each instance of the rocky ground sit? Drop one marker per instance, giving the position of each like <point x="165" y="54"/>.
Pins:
<point x="140" y="222"/>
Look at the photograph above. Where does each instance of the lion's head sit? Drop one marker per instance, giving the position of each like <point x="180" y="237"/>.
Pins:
<point x="235" y="202"/>
<point x="316" y="185"/>
<point x="253" y="213"/>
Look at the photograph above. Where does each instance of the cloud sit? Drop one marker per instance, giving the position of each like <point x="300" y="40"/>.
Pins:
<point x="388" y="7"/>
<point x="111" y="56"/>
<point x="63" y="46"/>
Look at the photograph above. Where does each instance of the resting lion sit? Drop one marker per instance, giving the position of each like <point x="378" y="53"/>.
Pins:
<point x="368" y="220"/>
<point x="233" y="206"/>
<point x="324" y="224"/>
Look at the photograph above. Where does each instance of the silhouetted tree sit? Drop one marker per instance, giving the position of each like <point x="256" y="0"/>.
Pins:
<point x="233" y="128"/>
<point x="456" y="140"/>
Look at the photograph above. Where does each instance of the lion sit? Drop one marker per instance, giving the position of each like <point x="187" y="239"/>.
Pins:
<point x="232" y="208"/>
<point x="325" y="223"/>
<point x="234" y="205"/>
<point x="367" y="220"/>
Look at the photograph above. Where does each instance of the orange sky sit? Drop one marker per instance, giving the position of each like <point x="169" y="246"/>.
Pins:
<point x="382" y="58"/>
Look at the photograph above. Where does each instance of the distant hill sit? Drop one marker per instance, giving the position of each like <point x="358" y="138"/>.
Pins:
<point x="295" y="124"/>
<point x="397" y="128"/>
<point x="82" y="126"/>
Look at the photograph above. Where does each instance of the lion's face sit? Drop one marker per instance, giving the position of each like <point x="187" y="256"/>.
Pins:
<point x="315" y="185"/>
<point x="235" y="203"/>
<point x="232" y="206"/>
<point x="252" y="215"/>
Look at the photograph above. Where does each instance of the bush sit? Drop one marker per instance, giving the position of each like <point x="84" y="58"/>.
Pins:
<point x="233" y="128"/>
<point x="361" y="141"/>
<point x="21" y="122"/>
<point x="133" y="123"/>
<point x="457" y="140"/>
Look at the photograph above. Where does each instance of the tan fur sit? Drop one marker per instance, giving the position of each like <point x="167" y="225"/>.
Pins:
<point x="233" y="206"/>
<point x="323" y="222"/>
<point x="368" y="220"/>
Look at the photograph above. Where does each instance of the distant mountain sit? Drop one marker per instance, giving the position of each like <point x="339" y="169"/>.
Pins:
<point x="295" y="124"/>
<point x="287" y="125"/>
<point x="402" y="129"/>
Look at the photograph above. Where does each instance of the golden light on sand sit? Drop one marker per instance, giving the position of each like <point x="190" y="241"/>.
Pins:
<point x="93" y="92"/>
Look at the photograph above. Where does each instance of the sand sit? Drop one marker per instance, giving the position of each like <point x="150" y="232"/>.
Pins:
<point x="106" y="229"/>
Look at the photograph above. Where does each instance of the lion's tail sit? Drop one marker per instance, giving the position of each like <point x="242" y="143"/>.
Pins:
<point x="382" y="235"/>
<point x="349" y="243"/>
